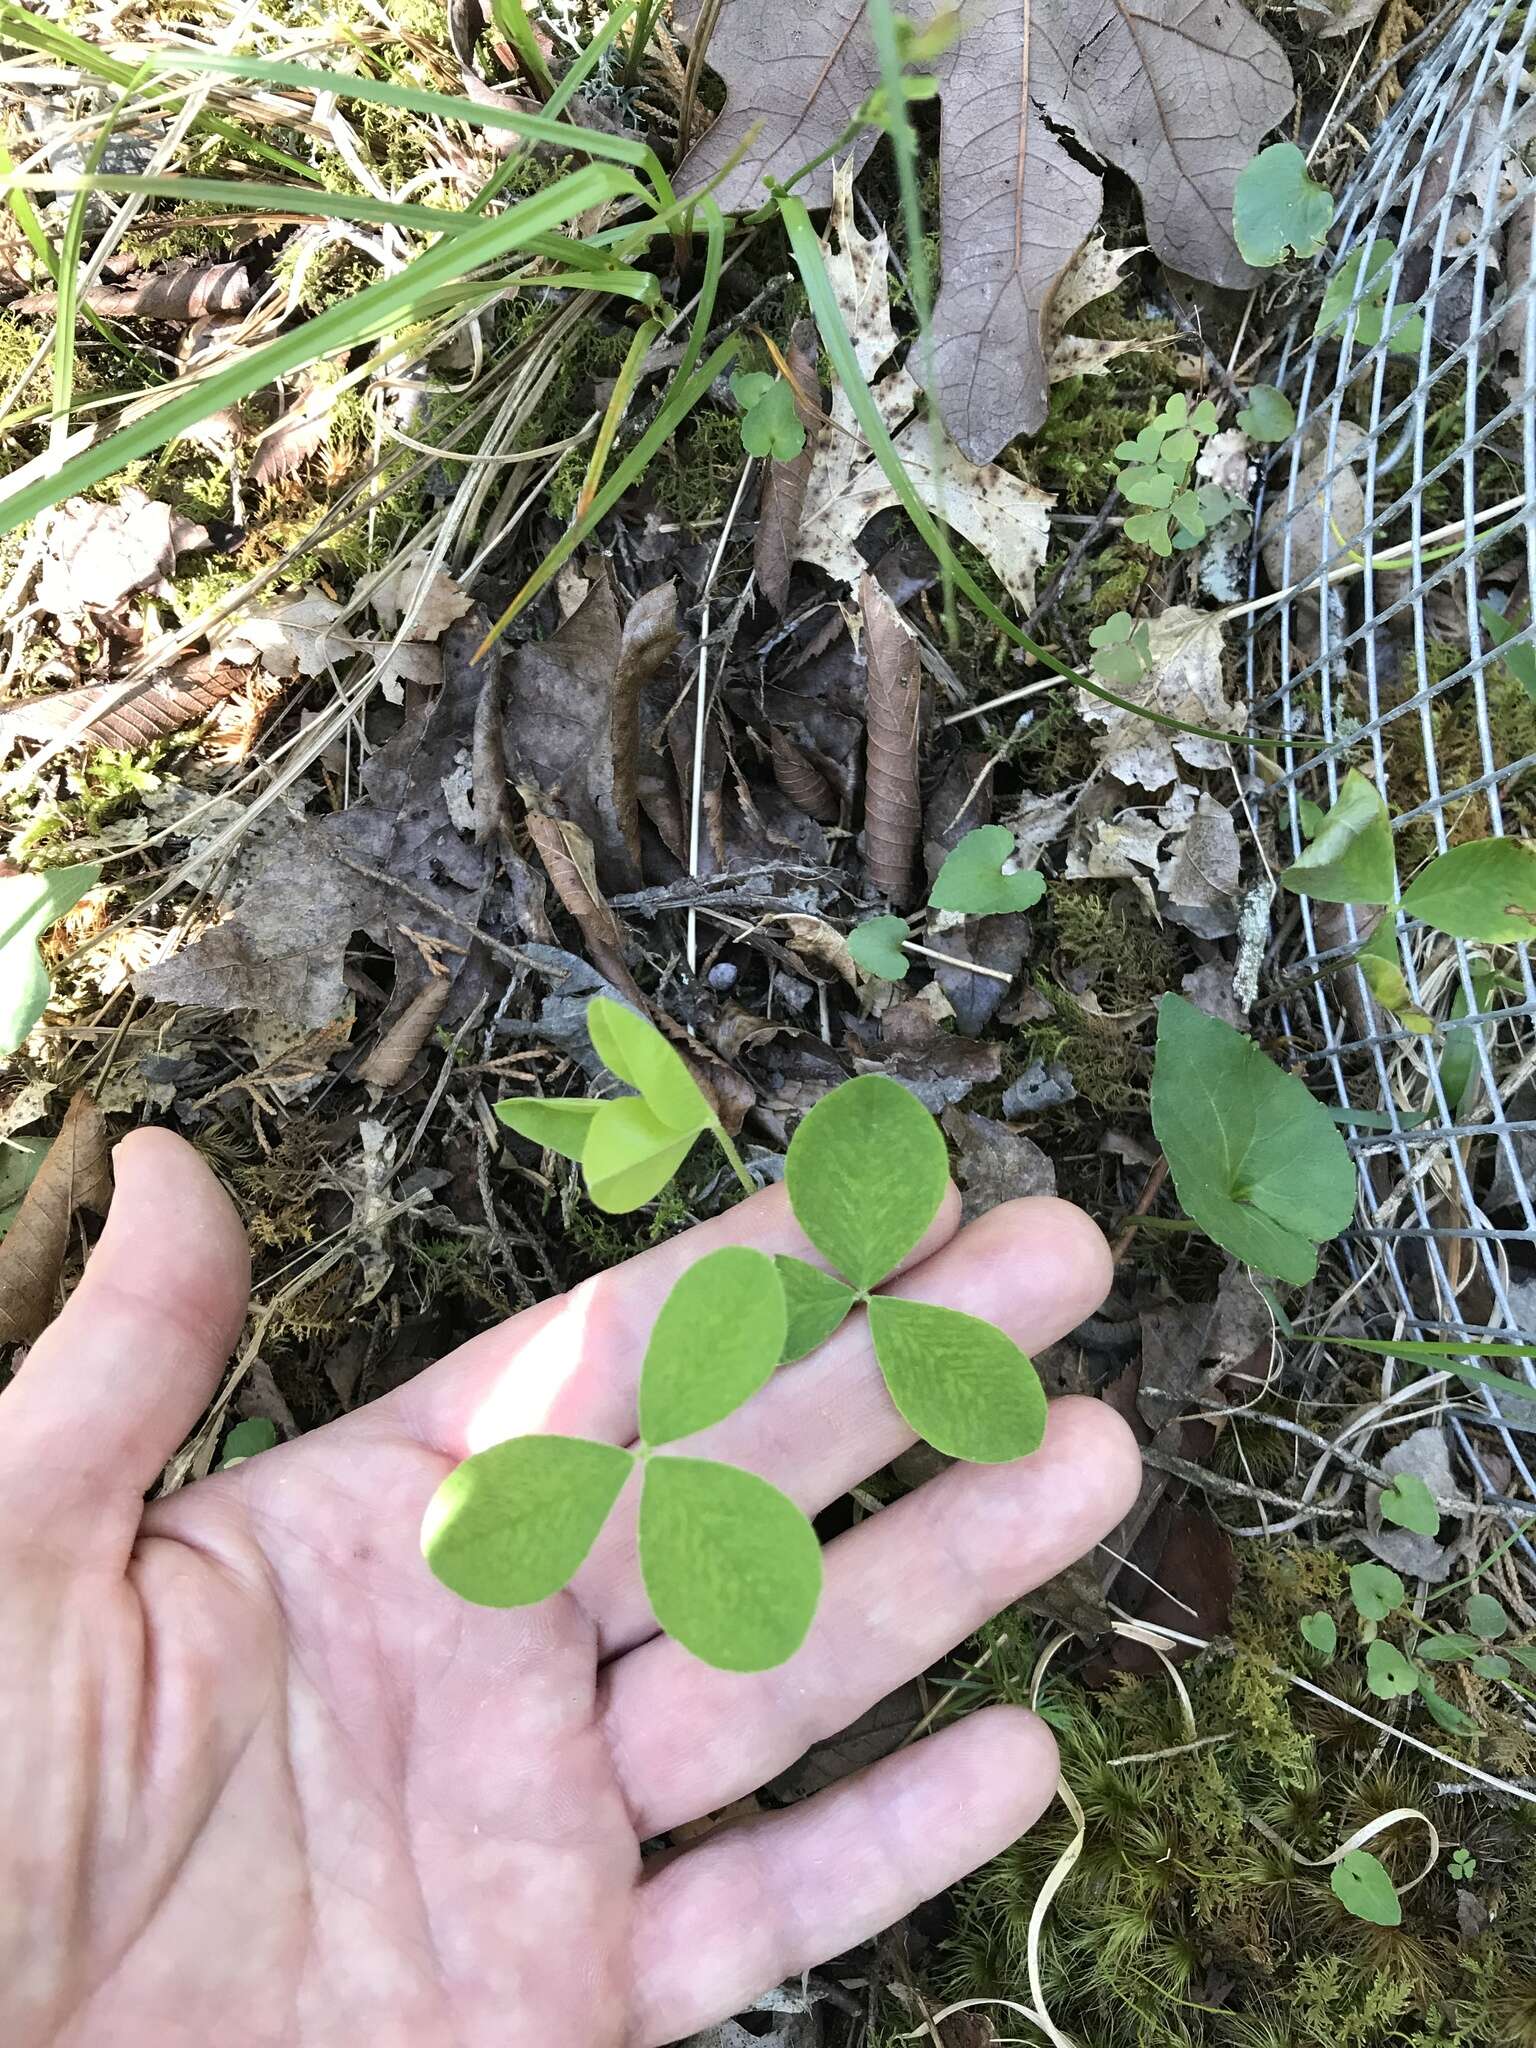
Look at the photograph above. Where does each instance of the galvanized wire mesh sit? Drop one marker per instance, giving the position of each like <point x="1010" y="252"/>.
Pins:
<point x="1429" y="460"/>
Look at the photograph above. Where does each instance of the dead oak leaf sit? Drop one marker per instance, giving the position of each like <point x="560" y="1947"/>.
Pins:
<point x="1175" y="93"/>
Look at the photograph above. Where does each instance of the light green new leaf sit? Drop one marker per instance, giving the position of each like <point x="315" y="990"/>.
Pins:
<point x="731" y="1566"/>
<point x="964" y="1386"/>
<point x="631" y="1047"/>
<point x="866" y="1172"/>
<point x="1388" y="1673"/>
<point x="1380" y="960"/>
<point x="717" y="1339"/>
<point x="558" y="1123"/>
<point x="815" y="1304"/>
<point x="1376" y="1590"/>
<point x="876" y="947"/>
<point x="1486" y="1617"/>
<point x="1254" y="1156"/>
<point x="972" y="881"/>
<point x="1362" y="1887"/>
<point x="630" y="1155"/>
<point x="1278" y="208"/>
<point x="1409" y="1503"/>
<point x="512" y="1524"/>
<point x="246" y="1440"/>
<point x="1360" y="282"/>
<point x="1483" y="890"/>
<point x="1350" y="859"/>
<point x="1447" y="1649"/>
<point x="1321" y="1631"/>
<point x="28" y="905"/>
<point x="1268" y="416"/>
<point x="1447" y="1716"/>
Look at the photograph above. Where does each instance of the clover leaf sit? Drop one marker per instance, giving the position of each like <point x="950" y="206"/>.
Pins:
<point x="866" y="1172"/>
<point x="815" y="1305"/>
<point x="1362" y="1887"/>
<point x="1359" y="285"/>
<point x="876" y="947"/>
<point x="973" y="879"/>
<point x="510" y="1525"/>
<point x="770" y="425"/>
<point x="1278" y="209"/>
<point x="1321" y="1631"/>
<point x="717" y="1339"/>
<point x="1122" y="649"/>
<point x="29" y="904"/>
<point x="963" y="1384"/>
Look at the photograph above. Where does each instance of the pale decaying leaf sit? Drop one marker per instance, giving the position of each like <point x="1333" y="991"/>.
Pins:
<point x="428" y="602"/>
<point x="1426" y="1455"/>
<point x="1006" y="519"/>
<point x="1182" y="857"/>
<point x="74" y="1175"/>
<point x="1184" y="681"/>
<point x="1093" y="273"/>
<point x="96" y="556"/>
<point x="290" y="636"/>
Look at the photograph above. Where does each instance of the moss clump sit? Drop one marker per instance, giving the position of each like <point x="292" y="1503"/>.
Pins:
<point x="1459" y="755"/>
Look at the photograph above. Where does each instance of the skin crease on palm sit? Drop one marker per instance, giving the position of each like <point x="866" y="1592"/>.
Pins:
<point x="264" y="1781"/>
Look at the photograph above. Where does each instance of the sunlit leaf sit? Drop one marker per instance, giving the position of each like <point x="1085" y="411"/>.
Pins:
<point x="876" y="947"/>
<point x="816" y="1304"/>
<point x="512" y="1524"/>
<point x="558" y="1123"/>
<point x="866" y="1172"/>
<point x="731" y="1566"/>
<point x="29" y="904"/>
<point x="972" y="880"/>
<point x="964" y="1386"/>
<point x="1321" y="1631"/>
<point x="717" y="1339"/>
<point x="1409" y="1503"/>
<point x="1362" y="1887"/>
<point x="631" y="1047"/>
<point x="630" y="1155"/>
<point x="1350" y="859"/>
<point x="1278" y="208"/>
<point x="1486" y="1617"/>
<point x="1376" y="1590"/>
<point x="1485" y="890"/>
<point x="1388" y="1673"/>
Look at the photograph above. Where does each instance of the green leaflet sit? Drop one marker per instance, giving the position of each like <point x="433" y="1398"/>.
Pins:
<point x="1350" y="859"/>
<point x="731" y="1566"/>
<point x="558" y="1123"/>
<point x="1268" y="415"/>
<point x="1444" y="1714"/>
<point x="770" y="424"/>
<point x="246" y="1439"/>
<point x="815" y="1302"/>
<point x="1447" y="1649"/>
<point x="1483" y="890"/>
<point x="866" y="1172"/>
<point x="1254" y="1156"/>
<point x="20" y="1159"/>
<point x="1376" y="1590"/>
<point x="1360" y="283"/>
<point x="1387" y="1671"/>
<point x="1486" y="1617"/>
<point x="1519" y="655"/>
<point x="972" y="881"/>
<point x="29" y="904"/>
<point x="632" y="1048"/>
<point x="1380" y="960"/>
<point x="1278" y="209"/>
<point x="964" y="1386"/>
<point x="876" y="947"/>
<point x="1409" y="1503"/>
<point x="1458" y="1059"/>
<point x="630" y="1155"/>
<point x="1321" y="1631"/>
<point x="717" y="1339"/>
<point x="1490" y="1665"/>
<point x="511" y="1525"/>
<point x="1362" y="1887"/>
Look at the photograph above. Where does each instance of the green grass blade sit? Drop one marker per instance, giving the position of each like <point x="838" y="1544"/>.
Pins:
<point x="70" y="252"/>
<point x="512" y="19"/>
<point x="244" y="196"/>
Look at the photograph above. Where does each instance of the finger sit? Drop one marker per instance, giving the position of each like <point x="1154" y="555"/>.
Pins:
<point x="759" y="1902"/>
<point x="572" y="1365"/>
<point x="901" y="1590"/>
<point x="114" y="1384"/>
<point x="1034" y="1267"/>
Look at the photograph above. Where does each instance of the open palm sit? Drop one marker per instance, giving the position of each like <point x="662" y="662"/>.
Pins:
<point x="263" y="1780"/>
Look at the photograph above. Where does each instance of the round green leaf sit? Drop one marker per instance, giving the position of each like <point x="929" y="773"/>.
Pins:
<point x="248" y="1439"/>
<point x="1362" y="1887"/>
<point x="731" y="1566"/>
<point x="815" y="1303"/>
<point x="630" y="1046"/>
<point x="630" y="1155"/>
<point x="558" y="1123"/>
<point x="1486" y="1617"/>
<point x="1388" y="1673"/>
<point x="1268" y="416"/>
<point x="876" y="947"/>
<point x="1350" y="859"/>
<point x="29" y="904"/>
<point x="866" y="1172"/>
<point x="511" y="1525"/>
<point x="1376" y="1590"/>
<point x="964" y="1386"/>
<point x="1278" y="209"/>
<point x="1484" y="890"/>
<point x="771" y="425"/>
<point x="1491" y="1665"/>
<point x="1409" y="1503"/>
<point x="717" y="1339"/>
<point x="972" y="881"/>
<point x="1321" y="1631"/>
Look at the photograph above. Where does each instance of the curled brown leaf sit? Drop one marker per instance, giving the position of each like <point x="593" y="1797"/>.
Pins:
<point x="802" y="781"/>
<point x="892" y="805"/>
<point x="74" y="1175"/>
<point x="782" y="499"/>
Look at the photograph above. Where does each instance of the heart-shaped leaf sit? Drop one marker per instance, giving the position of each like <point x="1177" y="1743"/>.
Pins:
<point x="816" y="1304"/>
<point x="558" y="1123"/>
<point x="1409" y="1503"/>
<point x="1321" y="1631"/>
<point x="1376" y="1590"/>
<point x="1255" y="1157"/>
<point x="1278" y="208"/>
<point x="1446" y="1716"/>
<point x="1486" y="1617"/>
<point x="512" y="1524"/>
<point x="1388" y="1673"/>
<point x="631" y="1047"/>
<point x="1362" y="1887"/>
<point x="731" y="1566"/>
<point x="630" y="1155"/>
<point x="1268" y="416"/>
<point x="770" y="424"/>
<point x="28" y="905"/>
<point x="1149" y="530"/>
<point x="972" y="880"/>
<point x="964" y="1386"/>
<point x="1350" y="859"/>
<point x="717" y="1339"/>
<point x="1484" y="890"/>
<point x="866" y="1172"/>
<point x="876" y="947"/>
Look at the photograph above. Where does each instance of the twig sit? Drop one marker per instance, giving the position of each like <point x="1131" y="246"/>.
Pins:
<point x="1229" y="1489"/>
<point x="696" y="803"/>
<point x="1148" y="1196"/>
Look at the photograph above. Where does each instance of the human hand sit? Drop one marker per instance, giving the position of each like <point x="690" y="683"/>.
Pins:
<point x="264" y="1781"/>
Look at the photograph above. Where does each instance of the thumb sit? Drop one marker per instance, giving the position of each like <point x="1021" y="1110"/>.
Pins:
<point x="114" y="1384"/>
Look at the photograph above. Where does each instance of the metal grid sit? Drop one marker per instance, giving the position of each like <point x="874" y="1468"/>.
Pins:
<point x="1429" y="459"/>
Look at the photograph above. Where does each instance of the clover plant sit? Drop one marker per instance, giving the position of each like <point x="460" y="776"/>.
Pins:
<point x="770" y="424"/>
<point x="1156" y="472"/>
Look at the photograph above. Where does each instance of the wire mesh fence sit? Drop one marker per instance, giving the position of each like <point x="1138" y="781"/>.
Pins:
<point x="1398" y="526"/>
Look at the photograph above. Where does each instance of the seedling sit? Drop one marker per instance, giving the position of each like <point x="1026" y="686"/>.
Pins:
<point x="29" y="904"/>
<point x="1279" y="209"/>
<point x="1362" y="1887"/>
<point x="770" y="424"/>
<point x="1159" y="462"/>
<point x="1463" y="1866"/>
<point x="1409" y="1503"/>
<point x="1122" y="649"/>
<point x="1268" y="416"/>
<point x="978" y="879"/>
<point x="1359" y="286"/>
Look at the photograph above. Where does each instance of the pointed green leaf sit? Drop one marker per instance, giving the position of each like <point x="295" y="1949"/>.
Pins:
<point x="1409" y="1503"/>
<point x="1362" y="1887"/>
<point x="29" y="904"/>
<point x="1278" y="208"/>
<point x="1447" y="1649"/>
<point x="876" y="947"/>
<point x="1255" y="1157"/>
<point x="717" y="1339"/>
<point x="816" y="1304"/>
<point x="511" y="1525"/>
<point x="1321" y="1631"/>
<point x="1376" y="1590"/>
<point x="1484" y="890"/>
<point x="1388" y="1673"/>
<point x="558" y="1123"/>
<point x="866" y="1172"/>
<point x="964" y="1386"/>
<point x="1524" y="1655"/>
<point x="1350" y="859"/>
<point x="731" y="1566"/>
<point x="1268" y="416"/>
<point x="972" y="880"/>
<point x="1486" y="1617"/>
<point x="247" y="1440"/>
<point x="1446" y="1716"/>
<point x="629" y="1156"/>
<point x="1519" y="655"/>
<point x="630" y="1046"/>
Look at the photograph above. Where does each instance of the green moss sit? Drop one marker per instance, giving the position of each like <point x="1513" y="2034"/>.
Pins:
<point x="695" y="474"/>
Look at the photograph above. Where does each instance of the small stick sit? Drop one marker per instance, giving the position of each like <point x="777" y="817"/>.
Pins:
<point x="1149" y="1195"/>
<point x="950" y="960"/>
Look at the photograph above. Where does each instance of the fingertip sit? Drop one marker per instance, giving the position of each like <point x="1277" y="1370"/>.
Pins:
<point x="1069" y="1238"/>
<point x="1101" y="1448"/>
<point x="172" y="1225"/>
<point x="1012" y="1746"/>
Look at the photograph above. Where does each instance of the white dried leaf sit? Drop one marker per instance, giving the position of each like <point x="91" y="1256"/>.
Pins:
<point x="95" y="556"/>
<point x="1200" y="876"/>
<point x="293" y="636"/>
<point x="427" y="601"/>
<point x="1184" y="681"/>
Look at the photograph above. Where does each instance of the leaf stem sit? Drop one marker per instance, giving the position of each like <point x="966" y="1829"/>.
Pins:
<point x="723" y="1140"/>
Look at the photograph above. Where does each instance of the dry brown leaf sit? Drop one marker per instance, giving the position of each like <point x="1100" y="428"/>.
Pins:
<point x="893" y="813"/>
<point x="1184" y="681"/>
<point x="76" y="1174"/>
<point x="392" y="1058"/>
<point x="192" y="292"/>
<point x="96" y="556"/>
<point x="432" y="602"/>
<point x="299" y="432"/>
<point x="570" y="863"/>
<point x="292" y="636"/>
<point x="802" y="781"/>
<point x="168" y="705"/>
<point x="782" y="499"/>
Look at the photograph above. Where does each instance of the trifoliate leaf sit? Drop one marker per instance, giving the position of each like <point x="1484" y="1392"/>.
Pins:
<point x="876" y="947"/>
<point x="1376" y="1590"/>
<point x="1350" y="858"/>
<point x="558" y="1123"/>
<point x="816" y="1305"/>
<point x="1268" y="416"/>
<point x="512" y="1524"/>
<point x="1361" y="282"/>
<point x="866" y="1172"/>
<point x="246" y="1440"/>
<point x="1486" y="1617"/>
<point x="1279" y="209"/>
<point x="731" y="1566"/>
<point x="972" y="881"/>
<point x="717" y="1339"/>
<point x="1254" y="1156"/>
<point x="1362" y="1887"/>
<point x="1149" y="530"/>
<point x="630" y="1155"/>
<point x="770" y="424"/>
<point x="631" y="1047"/>
<point x="1447" y="1716"/>
<point x="1409" y="1503"/>
<point x="964" y="1386"/>
<point x="1388" y="1673"/>
<point x="1447" y="1649"/>
<point x="29" y="904"/>
<point x="1484" y="890"/>
<point x="1321" y="1631"/>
